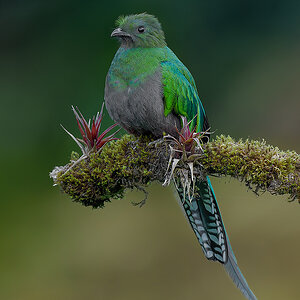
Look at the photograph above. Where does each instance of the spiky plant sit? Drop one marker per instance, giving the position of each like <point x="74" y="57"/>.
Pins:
<point x="183" y="156"/>
<point x="92" y="139"/>
<point x="187" y="140"/>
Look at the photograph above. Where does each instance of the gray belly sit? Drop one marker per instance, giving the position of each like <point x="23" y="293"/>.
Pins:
<point x="140" y="110"/>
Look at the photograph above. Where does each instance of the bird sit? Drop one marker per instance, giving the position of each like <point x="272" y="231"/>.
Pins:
<point x="147" y="92"/>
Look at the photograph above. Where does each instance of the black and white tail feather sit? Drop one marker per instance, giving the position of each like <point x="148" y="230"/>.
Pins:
<point x="204" y="216"/>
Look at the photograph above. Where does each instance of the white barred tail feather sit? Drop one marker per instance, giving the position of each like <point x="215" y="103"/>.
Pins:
<point x="205" y="219"/>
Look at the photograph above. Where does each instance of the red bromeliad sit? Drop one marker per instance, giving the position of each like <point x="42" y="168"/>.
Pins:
<point x="183" y="156"/>
<point x="188" y="139"/>
<point x="92" y="139"/>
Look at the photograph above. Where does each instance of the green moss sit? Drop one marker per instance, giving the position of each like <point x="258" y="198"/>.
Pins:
<point x="104" y="176"/>
<point x="260" y="165"/>
<point x="133" y="163"/>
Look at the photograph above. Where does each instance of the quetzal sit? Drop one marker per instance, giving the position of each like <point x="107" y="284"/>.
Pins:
<point x="147" y="89"/>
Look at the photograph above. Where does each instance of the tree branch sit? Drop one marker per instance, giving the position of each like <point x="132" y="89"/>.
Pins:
<point x="132" y="162"/>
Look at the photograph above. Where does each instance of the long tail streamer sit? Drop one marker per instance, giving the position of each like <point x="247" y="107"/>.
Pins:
<point x="204" y="216"/>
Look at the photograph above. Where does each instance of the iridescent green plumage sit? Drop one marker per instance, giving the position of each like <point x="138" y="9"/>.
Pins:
<point x="180" y="92"/>
<point x="135" y="65"/>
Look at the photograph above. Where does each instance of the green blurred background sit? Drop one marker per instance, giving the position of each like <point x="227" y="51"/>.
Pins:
<point x="245" y="58"/>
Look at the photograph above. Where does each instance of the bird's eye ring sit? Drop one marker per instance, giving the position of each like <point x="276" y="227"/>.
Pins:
<point x="141" y="29"/>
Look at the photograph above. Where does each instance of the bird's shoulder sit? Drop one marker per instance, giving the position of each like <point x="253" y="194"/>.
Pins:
<point x="178" y="83"/>
<point x="173" y="67"/>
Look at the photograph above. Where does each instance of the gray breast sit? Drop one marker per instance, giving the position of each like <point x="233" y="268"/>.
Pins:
<point x="140" y="110"/>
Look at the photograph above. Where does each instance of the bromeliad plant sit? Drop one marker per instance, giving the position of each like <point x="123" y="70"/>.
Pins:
<point x="92" y="139"/>
<point x="183" y="156"/>
<point x="188" y="139"/>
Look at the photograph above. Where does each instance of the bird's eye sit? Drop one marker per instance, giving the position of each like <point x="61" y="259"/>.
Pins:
<point x="141" y="29"/>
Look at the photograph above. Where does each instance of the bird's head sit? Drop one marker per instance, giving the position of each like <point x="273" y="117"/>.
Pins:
<point x="140" y="30"/>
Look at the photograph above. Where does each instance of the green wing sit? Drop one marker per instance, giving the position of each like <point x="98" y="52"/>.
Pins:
<point x="180" y="93"/>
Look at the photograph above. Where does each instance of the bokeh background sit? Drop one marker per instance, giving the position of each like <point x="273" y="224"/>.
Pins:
<point x="245" y="58"/>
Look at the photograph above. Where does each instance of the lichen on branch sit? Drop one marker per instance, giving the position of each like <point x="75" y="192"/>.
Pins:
<point x="132" y="162"/>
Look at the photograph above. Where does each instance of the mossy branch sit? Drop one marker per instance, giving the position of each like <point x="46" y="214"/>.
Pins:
<point x="132" y="162"/>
